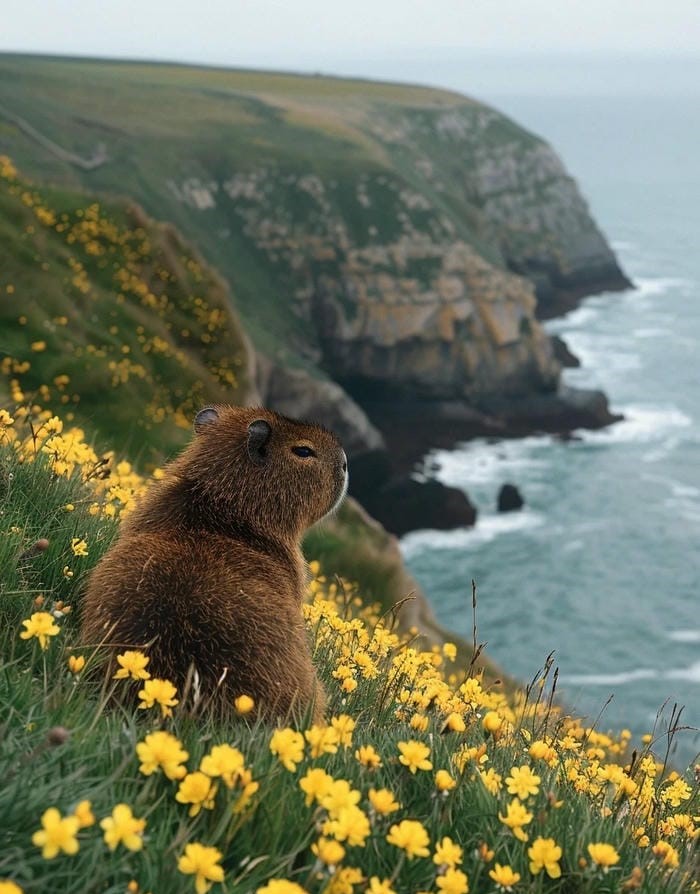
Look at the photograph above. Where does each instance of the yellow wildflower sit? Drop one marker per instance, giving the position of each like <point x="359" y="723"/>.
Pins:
<point x="203" y="863"/>
<point x="288" y="745"/>
<point x="57" y="834"/>
<point x="280" y="886"/>
<point x="162" y="750"/>
<point x="315" y="784"/>
<point x="454" y="722"/>
<point x="522" y="782"/>
<point x="545" y="854"/>
<point x="492" y="722"/>
<point x="368" y="757"/>
<point x="79" y="546"/>
<point x="122" y="827"/>
<point x="7" y="886"/>
<point x="379" y="886"/>
<point x="322" y="739"/>
<point x="667" y="853"/>
<point x="340" y="795"/>
<point x="76" y="663"/>
<point x="603" y="855"/>
<point x="414" y="755"/>
<point x="382" y="800"/>
<point x="412" y="837"/>
<point x="444" y="782"/>
<point x="244" y="704"/>
<point x="132" y="664"/>
<point x="453" y="881"/>
<point x="504" y="877"/>
<point x="38" y="346"/>
<point x="328" y="851"/>
<point x="491" y="780"/>
<point x="344" y="725"/>
<point x="348" y="824"/>
<point x="161" y="692"/>
<point x="447" y="853"/>
<point x="198" y="790"/>
<point x="516" y="817"/>
<point x="83" y="813"/>
<point x="42" y="626"/>
<point x="677" y="791"/>
<point x="224" y="761"/>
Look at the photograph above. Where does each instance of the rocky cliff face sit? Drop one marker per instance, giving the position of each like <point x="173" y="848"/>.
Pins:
<point x="389" y="249"/>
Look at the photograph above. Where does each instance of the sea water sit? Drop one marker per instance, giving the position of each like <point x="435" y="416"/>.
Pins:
<point x="603" y="563"/>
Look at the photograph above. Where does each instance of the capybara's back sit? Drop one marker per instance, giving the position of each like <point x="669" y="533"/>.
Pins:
<point x="207" y="576"/>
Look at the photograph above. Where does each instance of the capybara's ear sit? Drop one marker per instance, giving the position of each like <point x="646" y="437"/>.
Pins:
<point x="258" y="437"/>
<point x="204" y="418"/>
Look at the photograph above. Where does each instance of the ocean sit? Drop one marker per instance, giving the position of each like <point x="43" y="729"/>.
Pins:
<point x="602" y="566"/>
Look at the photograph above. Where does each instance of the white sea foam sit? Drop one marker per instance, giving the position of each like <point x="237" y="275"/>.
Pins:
<point x="656" y="285"/>
<point x="641" y="424"/>
<point x="640" y="673"/>
<point x="487" y="528"/>
<point x="692" y="673"/>
<point x="684" y="636"/>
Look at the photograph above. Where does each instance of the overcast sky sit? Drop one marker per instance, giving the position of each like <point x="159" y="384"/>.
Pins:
<point x="311" y="34"/>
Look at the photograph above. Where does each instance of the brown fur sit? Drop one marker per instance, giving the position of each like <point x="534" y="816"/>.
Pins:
<point x="207" y="573"/>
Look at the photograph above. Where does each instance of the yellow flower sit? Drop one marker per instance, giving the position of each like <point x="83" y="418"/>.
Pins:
<point x="76" y="663"/>
<point x="344" y="726"/>
<point x="339" y="796"/>
<point x="315" y="784"/>
<point x="42" y="626"/>
<point x="492" y="722"/>
<point x="288" y="745"/>
<point x="38" y="346"/>
<point x="122" y="827"/>
<point x="280" y="886"/>
<point x="444" y="782"/>
<point x="5" y="418"/>
<point x="83" y="813"/>
<point x="447" y="853"/>
<point x="604" y="855"/>
<point x="542" y="751"/>
<point x="491" y="780"/>
<point x="161" y="692"/>
<point x="411" y="837"/>
<point x="545" y="854"/>
<point x="414" y="755"/>
<point x="667" y="853"/>
<point x="379" y="886"/>
<point x="449" y="650"/>
<point x="348" y="824"/>
<point x="677" y="791"/>
<point x="244" y="704"/>
<point x="516" y="817"/>
<point x="224" y="761"/>
<point x="9" y="887"/>
<point x="455" y="723"/>
<point x="328" y="851"/>
<point x="58" y="834"/>
<point x="382" y="800"/>
<point x="504" y="877"/>
<point x="161" y="750"/>
<point x="198" y="790"/>
<point x="202" y="862"/>
<point x="322" y="739"/>
<point x="453" y="881"/>
<point x="522" y="782"/>
<point x="79" y="546"/>
<point x="132" y="664"/>
<point x="368" y="757"/>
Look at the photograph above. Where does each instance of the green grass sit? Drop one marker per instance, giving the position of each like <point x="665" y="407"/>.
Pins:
<point x="64" y="740"/>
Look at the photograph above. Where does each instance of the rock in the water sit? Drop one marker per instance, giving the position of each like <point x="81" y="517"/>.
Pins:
<point x="563" y="353"/>
<point x="509" y="498"/>
<point x="408" y="505"/>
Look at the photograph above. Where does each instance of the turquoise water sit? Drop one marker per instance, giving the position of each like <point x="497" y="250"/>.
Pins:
<point x="603" y="565"/>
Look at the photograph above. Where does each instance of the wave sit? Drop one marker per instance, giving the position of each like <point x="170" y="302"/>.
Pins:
<point x="641" y="424"/>
<point x="689" y="674"/>
<point x="657" y="285"/>
<point x="483" y="462"/>
<point x="684" y="636"/>
<point x="488" y="528"/>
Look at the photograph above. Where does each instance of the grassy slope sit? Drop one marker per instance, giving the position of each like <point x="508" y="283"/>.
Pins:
<point x="166" y="124"/>
<point x="122" y="307"/>
<point x="59" y="746"/>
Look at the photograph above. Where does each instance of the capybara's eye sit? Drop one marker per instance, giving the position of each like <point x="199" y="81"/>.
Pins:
<point x="303" y="450"/>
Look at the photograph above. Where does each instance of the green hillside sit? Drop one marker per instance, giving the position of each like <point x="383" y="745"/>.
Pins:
<point x="110" y="318"/>
<point x="305" y="189"/>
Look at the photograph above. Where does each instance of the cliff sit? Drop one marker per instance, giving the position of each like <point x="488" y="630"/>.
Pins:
<point x="388" y="248"/>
